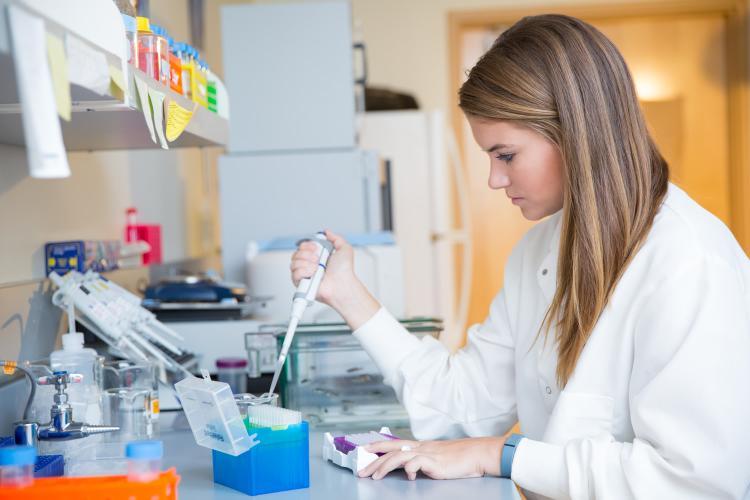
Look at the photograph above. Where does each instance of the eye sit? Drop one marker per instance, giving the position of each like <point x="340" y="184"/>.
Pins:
<point x="506" y="157"/>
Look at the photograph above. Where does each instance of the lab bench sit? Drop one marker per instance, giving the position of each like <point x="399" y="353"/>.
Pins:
<point x="327" y="481"/>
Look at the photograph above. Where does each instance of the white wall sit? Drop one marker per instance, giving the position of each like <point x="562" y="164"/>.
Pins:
<point x="90" y="204"/>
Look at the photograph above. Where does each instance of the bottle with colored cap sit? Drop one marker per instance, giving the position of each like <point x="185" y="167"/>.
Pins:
<point x="233" y="371"/>
<point x="17" y="466"/>
<point x="144" y="460"/>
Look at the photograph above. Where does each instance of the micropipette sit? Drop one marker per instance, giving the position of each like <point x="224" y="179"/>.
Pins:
<point x="303" y="297"/>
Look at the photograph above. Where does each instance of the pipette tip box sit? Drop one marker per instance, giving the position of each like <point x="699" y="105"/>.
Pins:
<point x="280" y="462"/>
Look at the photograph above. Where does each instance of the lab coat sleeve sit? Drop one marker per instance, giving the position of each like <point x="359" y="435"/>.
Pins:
<point x="689" y="402"/>
<point x="468" y="393"/>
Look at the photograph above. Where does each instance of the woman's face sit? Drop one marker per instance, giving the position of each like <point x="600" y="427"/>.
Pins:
<point x="523" y="163"/>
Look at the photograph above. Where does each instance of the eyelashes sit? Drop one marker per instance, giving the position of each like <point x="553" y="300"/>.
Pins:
<point x="506" y="157"/>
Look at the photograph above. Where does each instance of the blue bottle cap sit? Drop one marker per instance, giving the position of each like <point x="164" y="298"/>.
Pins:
<point x="17" y="455"/>
<point x="144" y="449"/>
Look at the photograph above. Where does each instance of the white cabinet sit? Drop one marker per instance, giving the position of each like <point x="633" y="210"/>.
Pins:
<point x="292" y="66"/>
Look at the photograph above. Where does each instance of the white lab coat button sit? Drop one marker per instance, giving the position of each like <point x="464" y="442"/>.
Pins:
<point x="548" y="389"/>
<point x="544" y="272"/>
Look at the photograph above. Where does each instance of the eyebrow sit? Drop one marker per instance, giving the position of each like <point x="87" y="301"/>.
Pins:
<point x="496" y="147"/>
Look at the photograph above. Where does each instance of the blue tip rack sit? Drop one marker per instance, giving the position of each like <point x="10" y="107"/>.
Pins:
<point x="280" y="462"/>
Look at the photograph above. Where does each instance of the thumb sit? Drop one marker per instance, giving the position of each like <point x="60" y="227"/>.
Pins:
<point x="338" y="241"/>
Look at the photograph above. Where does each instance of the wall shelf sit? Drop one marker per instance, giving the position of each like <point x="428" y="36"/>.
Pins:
<point x="99" y="122"/>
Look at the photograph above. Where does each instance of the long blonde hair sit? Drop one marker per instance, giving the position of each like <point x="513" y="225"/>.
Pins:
<point x="564" y="79"/>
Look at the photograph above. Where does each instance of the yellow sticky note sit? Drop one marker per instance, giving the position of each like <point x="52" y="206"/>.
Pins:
<point x="177" y="119"/>
<point x="58" y="66"/>
<point x="117" y="77"/>
<point x="117" y="85"/>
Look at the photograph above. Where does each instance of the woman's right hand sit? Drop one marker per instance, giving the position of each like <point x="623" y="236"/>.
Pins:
<point x="339" y="273"/>
<point x="340" y="287"/>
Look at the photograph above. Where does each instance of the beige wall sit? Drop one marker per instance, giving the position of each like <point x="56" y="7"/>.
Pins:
<point x="168" y="187"/>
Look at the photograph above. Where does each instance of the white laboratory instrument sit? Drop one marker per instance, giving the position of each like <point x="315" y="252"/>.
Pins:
<point x="305" y="295"/>
<point x="116" y="316"/>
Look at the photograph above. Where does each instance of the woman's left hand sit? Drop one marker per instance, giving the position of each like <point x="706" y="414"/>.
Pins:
<point x="454" y="459"/>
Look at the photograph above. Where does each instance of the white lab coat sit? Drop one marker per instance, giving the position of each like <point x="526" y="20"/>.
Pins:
<point x="659" y="403"/>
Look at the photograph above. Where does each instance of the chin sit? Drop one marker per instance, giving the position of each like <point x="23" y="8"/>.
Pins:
<point x="534" y="215"/>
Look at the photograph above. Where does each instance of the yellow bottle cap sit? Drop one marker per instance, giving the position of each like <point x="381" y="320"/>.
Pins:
<point x="143" y="24"/>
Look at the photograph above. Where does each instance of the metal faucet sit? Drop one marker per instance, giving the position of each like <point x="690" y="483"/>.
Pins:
<point x="61" y="426"/>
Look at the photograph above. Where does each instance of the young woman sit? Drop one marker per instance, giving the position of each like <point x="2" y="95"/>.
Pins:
<point x="621" y="338"/>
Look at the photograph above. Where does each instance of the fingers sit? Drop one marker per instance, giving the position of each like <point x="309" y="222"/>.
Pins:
<point x="385" y="464"/>
<point x="425" y="463"/>
<point x="390" y="445"/>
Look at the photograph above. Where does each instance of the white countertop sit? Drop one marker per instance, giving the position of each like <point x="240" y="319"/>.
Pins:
<point x="327" y="481"/>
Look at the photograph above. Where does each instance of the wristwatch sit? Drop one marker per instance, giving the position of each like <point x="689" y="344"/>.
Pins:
<point x="506" y="457"/>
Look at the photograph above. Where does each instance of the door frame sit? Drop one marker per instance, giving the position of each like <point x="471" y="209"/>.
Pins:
<point x="738" y="76"/>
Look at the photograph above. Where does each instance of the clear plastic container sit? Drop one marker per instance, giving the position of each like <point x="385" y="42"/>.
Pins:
<point x="148" y="49"/>
<point x="162" y="50"/>
<point x="144" y="460"/>
<point x="186" y="64"/>
<point x="84" y="397"/>
<point x="233" y="371"/>
<point x="128" y="409"/>
<point x="17" y="466"/>
<point x="175" y="67"/>
<point x="131" y="33"/>
<point x="330" y="378"/>
<point x="200" y="89"/>
<point x="129" y="374"/>
<point x="213" y="415"/>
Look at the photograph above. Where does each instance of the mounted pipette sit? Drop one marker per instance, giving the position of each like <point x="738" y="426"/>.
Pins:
<point x="305" y="295"/>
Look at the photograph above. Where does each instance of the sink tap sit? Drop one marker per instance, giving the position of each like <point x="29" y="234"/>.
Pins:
<point x="61" y="426"/>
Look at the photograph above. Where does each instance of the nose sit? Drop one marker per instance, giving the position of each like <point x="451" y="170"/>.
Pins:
<point x="498" y="177"/>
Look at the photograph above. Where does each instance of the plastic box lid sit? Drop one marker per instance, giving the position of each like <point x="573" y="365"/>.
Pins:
<point x="213" y="415"/>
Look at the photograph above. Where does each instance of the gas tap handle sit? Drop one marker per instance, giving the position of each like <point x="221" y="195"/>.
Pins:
<point x="59" y="378"/>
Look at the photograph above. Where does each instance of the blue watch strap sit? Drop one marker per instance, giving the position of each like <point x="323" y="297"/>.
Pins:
<point x="509" y="451"/>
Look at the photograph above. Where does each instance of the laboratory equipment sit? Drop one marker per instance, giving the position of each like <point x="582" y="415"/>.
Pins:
<point x="164" y="487"/>
<point x="233" y="371"/>
<point x="129" y="409"/>
<point x="116" y="316"/>
<point x="26" y="433"/>
<point x="162" y="49"/>
<point x="81" y="255"/>
<point x="186" y="63"/>
<point x="346" y="449"/>
<point x="148" y="49"/>
<point x="17" y="466"/>
<point x="213" y="415"/>
<point x="280" y="462"/>
<point x="332" y="380"/>
<point x="175" y="67"/>
<point x="247" y="402"/>
<point x="377" y="264"/>
<point x="144" y="460"/>
<point x="307" y="290"/>
<point x="131" y="35"/>
<point x="61" y="426"/>
<point x="129" y="374"/>
<point x="200" y="84"/>
<point x="45" y="465"/>
<point x="74" y="358"/>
